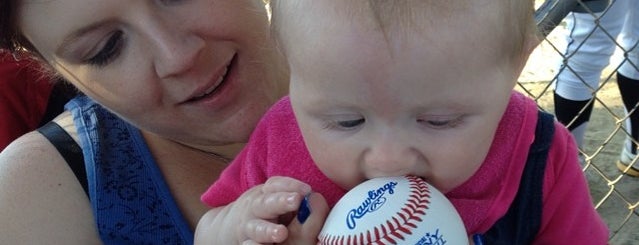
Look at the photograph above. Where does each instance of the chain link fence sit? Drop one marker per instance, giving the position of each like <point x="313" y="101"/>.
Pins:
<point x="615" y="194"/>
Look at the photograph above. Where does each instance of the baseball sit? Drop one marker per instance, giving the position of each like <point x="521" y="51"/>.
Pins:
<point x="393" y="210"/>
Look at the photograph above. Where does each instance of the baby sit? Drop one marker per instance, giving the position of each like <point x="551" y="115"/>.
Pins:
<point x="425" y="88"/>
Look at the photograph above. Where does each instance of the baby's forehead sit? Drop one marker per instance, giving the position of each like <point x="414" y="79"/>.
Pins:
<point x="488" y="23"/>
<point x="404" y="12"/>
<point x="396" y="17"/>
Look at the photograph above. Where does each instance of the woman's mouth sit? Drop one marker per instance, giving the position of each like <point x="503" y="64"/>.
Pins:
<point x="216" y="86"/>
<point x="213" y="88"/>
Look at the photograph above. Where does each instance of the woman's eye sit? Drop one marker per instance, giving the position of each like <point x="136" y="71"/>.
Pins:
<point x="350" y="123"/>
<point x="109" y="51"/>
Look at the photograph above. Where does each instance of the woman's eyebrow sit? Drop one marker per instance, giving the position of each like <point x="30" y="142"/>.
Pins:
<point x="75" y="35"/>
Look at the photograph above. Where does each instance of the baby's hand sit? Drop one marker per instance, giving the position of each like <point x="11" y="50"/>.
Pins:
<point x="305" y="231"/>
<point x="255" y="217"/>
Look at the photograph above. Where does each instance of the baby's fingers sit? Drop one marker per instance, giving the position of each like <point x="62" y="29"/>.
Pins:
<point x="285" y="184"/>
<point x="305" y="231"/>
<point x="273" y="205"/>
<point x="261" y="231"/>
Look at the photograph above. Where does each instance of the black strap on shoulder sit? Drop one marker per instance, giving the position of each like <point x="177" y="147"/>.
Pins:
<point x="522" y="221"/>
<point x="69" y="149"/>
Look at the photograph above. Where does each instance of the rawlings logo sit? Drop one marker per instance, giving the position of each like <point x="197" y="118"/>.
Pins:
<point x="374" y="201"/>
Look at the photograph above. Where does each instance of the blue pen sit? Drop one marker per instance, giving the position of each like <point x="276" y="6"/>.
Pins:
<point x="304" y="210"/>
<point x="478" y="239"/>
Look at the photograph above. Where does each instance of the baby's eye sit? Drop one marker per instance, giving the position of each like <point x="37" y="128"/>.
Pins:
<point x="440" y="123"/>
<point x="350" y="123"/>
<point x="344" y="124"/>
<point x="171" y="2"/>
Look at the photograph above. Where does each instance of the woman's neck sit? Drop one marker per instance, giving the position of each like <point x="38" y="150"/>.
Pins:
<point x="223" y="153"/>
<point x="189" y="171"/>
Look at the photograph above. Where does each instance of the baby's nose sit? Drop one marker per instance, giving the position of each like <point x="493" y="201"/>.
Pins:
<point x="390" y="158"/>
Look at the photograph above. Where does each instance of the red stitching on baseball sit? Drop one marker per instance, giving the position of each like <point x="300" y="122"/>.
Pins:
<point x="405" y="220"/>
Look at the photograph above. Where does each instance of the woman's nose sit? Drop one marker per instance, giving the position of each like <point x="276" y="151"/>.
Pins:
<point x="390" y="156"/>
<point x="175" y="52"/>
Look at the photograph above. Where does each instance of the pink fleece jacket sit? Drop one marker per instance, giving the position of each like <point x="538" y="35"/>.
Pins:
<point x="276" y="148"/>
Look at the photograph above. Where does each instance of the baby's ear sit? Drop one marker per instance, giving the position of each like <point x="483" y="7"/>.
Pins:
<point x="532" y="41"/>
<point x="529" y="45"/>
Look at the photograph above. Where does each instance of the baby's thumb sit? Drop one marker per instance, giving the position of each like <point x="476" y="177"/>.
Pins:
<point x="305" y="228"/>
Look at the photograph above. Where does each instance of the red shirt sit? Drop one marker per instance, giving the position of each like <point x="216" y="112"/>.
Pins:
<point x="24" y="93"/>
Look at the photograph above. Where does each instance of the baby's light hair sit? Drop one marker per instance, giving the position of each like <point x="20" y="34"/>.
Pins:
<point x="514" y="22"/>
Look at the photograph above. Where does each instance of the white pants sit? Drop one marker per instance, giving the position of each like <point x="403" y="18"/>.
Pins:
<point x="589" y="48"/>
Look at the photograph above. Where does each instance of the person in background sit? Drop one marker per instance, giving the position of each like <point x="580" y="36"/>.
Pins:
<point x="28" y="97"/>
<point x="173" y="89"/>
<point x="422" y="88"/>
<point x="591" y="42"/>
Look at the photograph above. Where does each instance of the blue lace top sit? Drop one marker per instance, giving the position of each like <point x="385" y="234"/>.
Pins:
<point x="130" y="199"/>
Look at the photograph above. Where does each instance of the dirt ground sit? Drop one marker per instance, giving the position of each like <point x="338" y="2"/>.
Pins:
<point x="615" y="195"/>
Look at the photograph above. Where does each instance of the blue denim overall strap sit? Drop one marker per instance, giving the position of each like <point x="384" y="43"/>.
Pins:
<point x="131" y="201"/>
<point x="521" y="223"/>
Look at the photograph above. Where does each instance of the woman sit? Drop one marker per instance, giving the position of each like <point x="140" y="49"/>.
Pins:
<point x="175" y="89"/>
